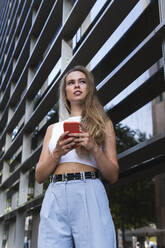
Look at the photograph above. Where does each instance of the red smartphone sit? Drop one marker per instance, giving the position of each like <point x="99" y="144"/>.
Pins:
<point x="72" y="127"/>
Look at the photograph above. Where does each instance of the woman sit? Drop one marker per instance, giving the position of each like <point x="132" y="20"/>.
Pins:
<point x="75" y="206"/>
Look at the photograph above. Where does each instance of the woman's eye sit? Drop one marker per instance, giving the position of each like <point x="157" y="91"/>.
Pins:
<point x="70" y="83"/>
<point x="83" y="82"/>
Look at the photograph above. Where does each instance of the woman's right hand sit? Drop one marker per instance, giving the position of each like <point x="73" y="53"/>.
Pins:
<point x="64" y="145"/>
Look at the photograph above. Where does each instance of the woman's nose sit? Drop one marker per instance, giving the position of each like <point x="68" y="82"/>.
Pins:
<point x="77" y="84"/>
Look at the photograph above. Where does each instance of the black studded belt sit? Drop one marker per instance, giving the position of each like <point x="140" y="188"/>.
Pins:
<point x="74" y="176"/>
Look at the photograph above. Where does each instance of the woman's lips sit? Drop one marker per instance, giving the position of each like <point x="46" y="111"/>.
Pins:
<point x="78" y="92"/>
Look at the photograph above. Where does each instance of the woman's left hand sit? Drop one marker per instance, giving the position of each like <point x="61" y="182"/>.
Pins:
<point x="84" y="139"/>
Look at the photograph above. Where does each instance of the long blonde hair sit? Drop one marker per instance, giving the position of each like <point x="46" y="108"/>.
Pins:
<point x="93" y="115"/>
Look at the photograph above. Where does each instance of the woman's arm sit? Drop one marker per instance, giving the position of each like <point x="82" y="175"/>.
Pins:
<point x="107" y="158"/>
<point x="48" y="161"/>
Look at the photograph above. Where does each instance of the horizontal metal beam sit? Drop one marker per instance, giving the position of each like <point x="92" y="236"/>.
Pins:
<point x="99" y="32"/>
<point x="11" y="28"/>
<point x="141" y="59"/>
<point x="54" y="52"/>
<point x="22" y="50"/>
<point x="145" y="93"/>
<point x="26" y="165"/>
<point x="22" y="16"/>
<point x="42" y="14"/>
<point x="83" y="7"/>
<point x="147" y="169"/>
<point x="28" y="206"/>
<point x="4" y="12"/>
<point x="50" y="28"/>
<point x="142" y="152"/>
<point x="6" y="27"/>
<point x="22" y="55"/>
<point x="16" y="117"/>
<point x="136" y="33"/>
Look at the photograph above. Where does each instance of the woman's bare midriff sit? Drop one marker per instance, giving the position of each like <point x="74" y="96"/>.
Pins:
<point x="72" y="168"/>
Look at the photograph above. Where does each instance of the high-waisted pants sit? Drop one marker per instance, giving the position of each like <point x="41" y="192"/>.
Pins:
<point x="76" y="214"/>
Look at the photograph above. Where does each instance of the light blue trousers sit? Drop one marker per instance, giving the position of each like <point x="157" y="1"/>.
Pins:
<point x="76" y="210"/>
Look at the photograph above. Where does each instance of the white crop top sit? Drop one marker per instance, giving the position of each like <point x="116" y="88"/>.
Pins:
<point x="71" y="156"/>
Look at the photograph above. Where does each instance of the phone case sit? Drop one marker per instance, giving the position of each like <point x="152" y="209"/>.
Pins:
<point x="72" y="127"/>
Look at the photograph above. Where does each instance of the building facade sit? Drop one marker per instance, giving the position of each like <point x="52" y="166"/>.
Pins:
<point x="158" y="109"/>
<point x="39" y="41"/>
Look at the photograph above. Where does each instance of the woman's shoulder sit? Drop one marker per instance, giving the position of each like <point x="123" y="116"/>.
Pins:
<point x="51" y="126"/>
<point x="108" y="123"/>
<point x="55" y="125"/>
<point x="109" y="127"/>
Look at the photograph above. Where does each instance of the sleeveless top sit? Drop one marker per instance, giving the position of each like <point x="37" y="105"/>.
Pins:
<point x="71" y="156"/>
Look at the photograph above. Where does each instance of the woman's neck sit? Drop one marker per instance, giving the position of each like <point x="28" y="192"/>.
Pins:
<point x="76" y="111"/>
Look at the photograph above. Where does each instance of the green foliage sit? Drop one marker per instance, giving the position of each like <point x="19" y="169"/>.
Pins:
<point x="133" y="204"/>
<point x="126" y="137"/>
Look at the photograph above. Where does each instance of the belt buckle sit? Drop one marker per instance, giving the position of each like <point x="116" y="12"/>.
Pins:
<point x="64" y="177"/>
<point x="81" y="175"/>
<point x="93" y="176"/>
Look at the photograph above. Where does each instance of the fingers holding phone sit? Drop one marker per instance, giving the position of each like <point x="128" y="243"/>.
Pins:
<point x="64" y="145"/>
<point x="83" y="138"/>
<point x="80" y="135"/>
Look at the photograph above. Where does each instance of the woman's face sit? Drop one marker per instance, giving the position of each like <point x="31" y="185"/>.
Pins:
<point x="76" y="87"/>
